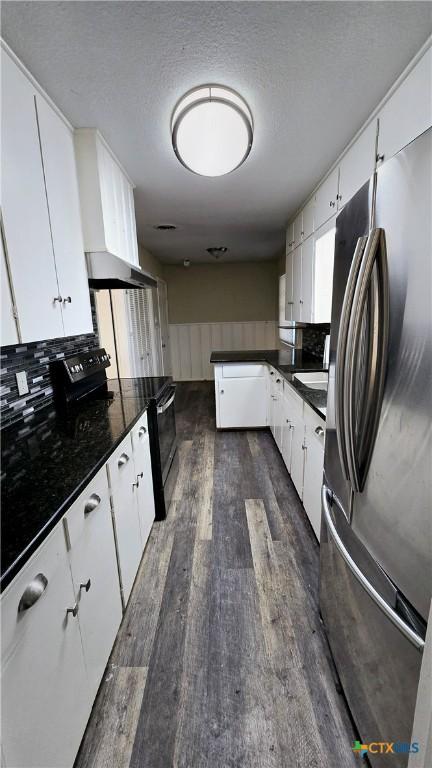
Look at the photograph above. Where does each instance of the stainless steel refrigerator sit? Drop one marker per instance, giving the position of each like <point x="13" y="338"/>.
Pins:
<point x="376" y="533"/>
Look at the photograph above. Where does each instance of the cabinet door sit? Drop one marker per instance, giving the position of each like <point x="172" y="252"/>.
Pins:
<point x="324" y="246"/>
<point x="286" y="433"/>
<point x="8" y="328"/>
<point x="326" y="198"/>
<point x="297" y="284"/>
<point x="290" y="237"/>
<point x="278" y="409"/>
<point x="90" y="537"/>
<point x="25" y="211"/>
<point x="63" y="203"/>
<point x="122" y="479"/>
<point x="313" y="475"/>
<point x="298" y="229"/>
<point x="307" y="258"/>
<point x="289" y="286"/>
<point x="408" y="112"/>
<point x="357" y="165"/>
<point x="106" y="167"/>
<point x="143" y="471"/>
<point x="297" y="451"/>
<point x="242" y="403"/>
<point x="308" y="218"/>
<point x="45" y="695"/>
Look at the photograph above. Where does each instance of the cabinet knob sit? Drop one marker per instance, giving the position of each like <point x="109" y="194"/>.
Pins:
<point x="124" y="458"/>
<point x="73" y="610"/>
<point x="338" y="197"/>
<point x="222" y="391"/>
<point x="379" y="158"/>
<point x="290" y="302"/>
<point x="33" y="592"/>
<point x="271" y="373"/>
<point x="136" y="483"/>
<point x="86" y="586"/>
<point x="58" y="298"/>
<point x="304" y="447"/>
<point x="332" y="203"/>
<point x="92" y="503"/>
<point x="142" y="431"/>
<point x="67" y="300"/>
<point x="319" y="431"/>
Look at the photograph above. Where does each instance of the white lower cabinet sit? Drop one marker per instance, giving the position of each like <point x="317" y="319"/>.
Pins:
<point x="46" y="698"/>
<point x="313" y="468"/>
<point x="241" y="396"/>
<point x="144" y="489"/>
<point x="90" y="541"/>
<point x="123" y="484"/>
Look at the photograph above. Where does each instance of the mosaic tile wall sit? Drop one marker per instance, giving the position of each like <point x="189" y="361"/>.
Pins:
<point x="34" y="359"/>
<point x="313" y="338"/>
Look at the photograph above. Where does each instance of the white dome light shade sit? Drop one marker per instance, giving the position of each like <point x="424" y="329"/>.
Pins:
<point x="212" y="131"/>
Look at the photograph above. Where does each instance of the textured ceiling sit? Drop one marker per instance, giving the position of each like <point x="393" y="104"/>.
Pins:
<point x="311" y="73"/>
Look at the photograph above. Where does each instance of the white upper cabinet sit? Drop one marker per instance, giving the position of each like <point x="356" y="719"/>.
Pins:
<point x="298" y="229"/>
<point x="297" y="284"/>
<point x="106" y="193"/>
<point x="308" y="218"/>
<point x="289" y="285"/>
<point x="290" y="237"/>
<point x="323" y="259"/>
<point x="64" y="211"/>
<point x="408" y="112"/>
<point x="25" y="211"/>
<point x="8" y="328"/>
<point x="307" y="280"/>
<point x="41" y="215"/>
<point x="326" y="198"/>
<point x="358" y="164"/>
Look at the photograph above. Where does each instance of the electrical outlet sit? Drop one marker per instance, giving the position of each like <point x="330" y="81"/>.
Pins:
<point x="21" y="378"/>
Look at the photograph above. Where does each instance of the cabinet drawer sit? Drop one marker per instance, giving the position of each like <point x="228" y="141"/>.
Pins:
<point x="243" y="370"/>
<point x="315" y="425"/>
<point x="120" y="465"/>
<point x="293" y="398"/>
<point x="139" y="432"/>
<point x="93" y="498"/>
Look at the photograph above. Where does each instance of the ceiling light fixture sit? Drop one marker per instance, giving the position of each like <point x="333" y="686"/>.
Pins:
<point x="212" y="130"/>
<point x="217" y="251"/>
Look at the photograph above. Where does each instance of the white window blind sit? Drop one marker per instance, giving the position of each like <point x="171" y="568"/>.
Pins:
<point x="143" y="341"/>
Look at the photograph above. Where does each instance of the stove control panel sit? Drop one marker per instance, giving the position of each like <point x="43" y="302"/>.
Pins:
<point x="85" y="364"/>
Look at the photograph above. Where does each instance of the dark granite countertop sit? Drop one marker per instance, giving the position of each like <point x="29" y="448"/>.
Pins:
<point x="287" y="362"/>
<point x="47" y="464"/>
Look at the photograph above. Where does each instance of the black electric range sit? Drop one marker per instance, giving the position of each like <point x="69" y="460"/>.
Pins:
<point x="83" y="377"/>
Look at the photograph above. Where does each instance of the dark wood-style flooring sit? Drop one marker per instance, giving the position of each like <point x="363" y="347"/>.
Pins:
<point x="221" y="660"/>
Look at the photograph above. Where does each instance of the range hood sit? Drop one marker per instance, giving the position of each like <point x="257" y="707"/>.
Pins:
<point x="108" y="271"/>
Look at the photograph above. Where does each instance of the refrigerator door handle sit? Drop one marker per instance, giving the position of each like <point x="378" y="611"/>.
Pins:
<point x="391" y="614"/>
<point x="371" y="306"/>
<point x="340" y="405"/>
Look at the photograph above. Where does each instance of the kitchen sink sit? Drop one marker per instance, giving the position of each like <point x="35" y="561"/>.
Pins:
<point x="313" y="379"/>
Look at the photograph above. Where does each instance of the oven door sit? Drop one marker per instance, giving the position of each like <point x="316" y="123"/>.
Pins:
<point x="166" y="425"/>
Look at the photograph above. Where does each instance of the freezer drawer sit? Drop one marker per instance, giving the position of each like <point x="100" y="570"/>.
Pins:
<point x="378" y="665"/>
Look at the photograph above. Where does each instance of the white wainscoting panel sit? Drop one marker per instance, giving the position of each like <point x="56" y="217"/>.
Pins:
<point x="193" y="343"/>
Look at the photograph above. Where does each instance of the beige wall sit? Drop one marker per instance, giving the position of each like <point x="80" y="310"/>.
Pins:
<point x="215" y="293"/>
<point x="149" y="262"/>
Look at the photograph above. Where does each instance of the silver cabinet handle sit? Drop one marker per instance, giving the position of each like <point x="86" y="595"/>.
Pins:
<point x="33" y="592"/>
<point x="124" y="458"/>
<point x="271" y="373"/>
<point x="140" y="475"/>
<point x="67" y="300"/>
<point x="290" y="303"/>
<point x="73" y="610"/>
<point x="332" y="203"/>
<point x="142" y="431"/>
<point x="58" y="298"/>
<point x="86" y="586"/>
<point x="92" y="503"/>
<point x="391" y="614"/>
<point x="319" y="431"/>
<point x="304" y="447"/>
<point x="222" y="391"/>
<point x="379" y="158"/>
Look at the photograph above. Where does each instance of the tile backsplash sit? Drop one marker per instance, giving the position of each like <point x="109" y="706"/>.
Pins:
<point x="34" y="359"/>
<point x="313" y="338"/>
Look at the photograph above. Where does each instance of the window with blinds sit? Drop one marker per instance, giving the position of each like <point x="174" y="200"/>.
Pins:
<point x="144" y="343"/>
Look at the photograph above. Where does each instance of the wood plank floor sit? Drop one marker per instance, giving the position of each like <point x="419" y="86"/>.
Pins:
<point x="221" y="659"/>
